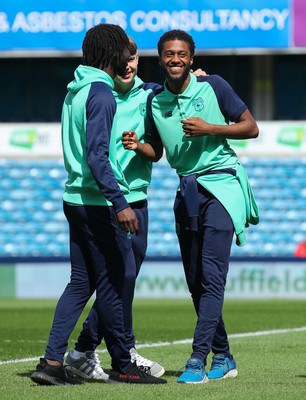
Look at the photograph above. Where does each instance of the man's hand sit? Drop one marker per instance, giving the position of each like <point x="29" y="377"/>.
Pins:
<point x="127" y="220"/>
<point x="195" y="126"/>
<point x="130" y="140"/>
<point x="199" y="72"/>
<point x="152" y="151"/>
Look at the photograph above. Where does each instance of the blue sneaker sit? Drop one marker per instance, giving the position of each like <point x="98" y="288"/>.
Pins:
<point x="222" y="367"/>
<point x="194" y="373"/>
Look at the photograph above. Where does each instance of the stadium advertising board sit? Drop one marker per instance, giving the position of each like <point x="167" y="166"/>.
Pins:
<point x="275" y="138"/>
<point x="30" y="140"/>
<point x="246" y="280"/>
<point x="56" y="26"/>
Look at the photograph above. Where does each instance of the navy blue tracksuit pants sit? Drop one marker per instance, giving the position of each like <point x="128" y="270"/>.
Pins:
<point x="99" y="254"/>
<point x="205" y="255"/>
<point x="91" y="334"/>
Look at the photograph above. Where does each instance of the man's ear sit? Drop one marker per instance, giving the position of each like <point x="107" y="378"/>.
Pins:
<point x="191" y="60"/>
<point x="159" y="63"/>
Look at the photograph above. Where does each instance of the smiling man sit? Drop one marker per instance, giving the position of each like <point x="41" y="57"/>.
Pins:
<point x="190" y="117"/>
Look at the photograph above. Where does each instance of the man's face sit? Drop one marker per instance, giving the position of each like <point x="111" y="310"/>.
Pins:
<point x="131" y="69"/>
<point x="175" y="60"/>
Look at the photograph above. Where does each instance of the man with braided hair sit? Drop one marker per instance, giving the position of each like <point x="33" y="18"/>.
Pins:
<point x="100" y="219"/>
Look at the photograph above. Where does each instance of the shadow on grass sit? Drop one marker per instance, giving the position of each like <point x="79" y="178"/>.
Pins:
<point x="173" y="373"/>
<point x="28" y="374"/>
<point x="25" y="374"/>
<point x="167" y="373"/>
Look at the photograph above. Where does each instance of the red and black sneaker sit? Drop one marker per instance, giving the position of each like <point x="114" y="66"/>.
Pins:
<point x="134" y="374"/>
<point x="47" y="374"/>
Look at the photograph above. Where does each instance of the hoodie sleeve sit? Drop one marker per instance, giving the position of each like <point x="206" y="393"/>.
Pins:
<point x="100" y="112"/>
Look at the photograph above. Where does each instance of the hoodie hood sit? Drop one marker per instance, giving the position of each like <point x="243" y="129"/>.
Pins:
<point x="85" y="75"/>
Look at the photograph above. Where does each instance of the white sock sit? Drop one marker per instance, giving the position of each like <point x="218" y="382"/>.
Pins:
<point x="77" y="354"/>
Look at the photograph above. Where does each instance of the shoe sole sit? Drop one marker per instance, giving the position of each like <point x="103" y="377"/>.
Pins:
<point x="205" y="380"/>
<point x="159" y="373"/>
<point x="233" y="373"/>
<point x="111" y="381"/>
<point x="44" y="379"/>
<point x="80" y="374"/>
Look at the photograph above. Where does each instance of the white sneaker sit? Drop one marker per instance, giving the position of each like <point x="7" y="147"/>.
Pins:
<point x="155" y="369"/>
<point x="88" y="367"/>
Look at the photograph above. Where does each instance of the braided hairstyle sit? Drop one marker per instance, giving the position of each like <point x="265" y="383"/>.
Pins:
<point x="104" y="45"/>
<point x="176" y="34"/>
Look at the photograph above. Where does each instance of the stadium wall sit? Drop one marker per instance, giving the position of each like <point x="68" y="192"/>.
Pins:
<point x="247" y="279"/>
<point x="277" y="138"/>
<point x="258" y="278"/>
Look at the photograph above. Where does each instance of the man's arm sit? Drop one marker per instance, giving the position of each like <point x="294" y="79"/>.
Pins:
<point x="244" y="128"/>
<point x="232" y="108"/>
<point x="100" y="108"/>
<point x="151" y="151"/>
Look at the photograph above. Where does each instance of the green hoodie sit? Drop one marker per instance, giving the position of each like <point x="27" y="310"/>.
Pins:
<point x="89" y="142"/>
<point x="131" y="111"/>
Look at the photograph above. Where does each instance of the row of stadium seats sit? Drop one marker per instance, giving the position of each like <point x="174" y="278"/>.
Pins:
<point x="33" y="223"/>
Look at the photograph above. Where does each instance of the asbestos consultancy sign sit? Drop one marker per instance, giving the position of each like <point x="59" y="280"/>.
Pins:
<point x="54" y="25"/>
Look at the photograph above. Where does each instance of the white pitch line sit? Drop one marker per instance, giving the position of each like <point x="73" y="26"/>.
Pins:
<point x="184" y="341"/>
<point x="271" y="332"/>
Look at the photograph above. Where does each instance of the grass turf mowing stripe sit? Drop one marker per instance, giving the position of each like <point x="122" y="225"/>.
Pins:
<point x="185" y="341"/>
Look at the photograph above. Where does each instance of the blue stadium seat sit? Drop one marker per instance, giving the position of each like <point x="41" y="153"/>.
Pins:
<point x="33" y="223"/>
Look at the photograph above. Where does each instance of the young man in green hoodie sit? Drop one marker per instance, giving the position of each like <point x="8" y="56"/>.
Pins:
<point x="100" y="219"/>
<point x="190" y="117"/>
<point x="131" y="95"/>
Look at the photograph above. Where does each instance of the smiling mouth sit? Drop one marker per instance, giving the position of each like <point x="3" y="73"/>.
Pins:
<point x="175" y="68"/>
<point x="127" y="75"/>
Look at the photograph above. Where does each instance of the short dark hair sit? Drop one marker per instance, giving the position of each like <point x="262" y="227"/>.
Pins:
<point x="104" y="45"/>
<point x="132" y="46"/>
<point x="176" y="34"/>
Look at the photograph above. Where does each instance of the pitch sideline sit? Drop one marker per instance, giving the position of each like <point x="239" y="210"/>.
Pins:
<point x="178" y="342"/>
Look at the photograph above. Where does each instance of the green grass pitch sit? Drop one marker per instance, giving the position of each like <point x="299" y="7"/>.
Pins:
<point x="268" y="340"/>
